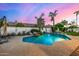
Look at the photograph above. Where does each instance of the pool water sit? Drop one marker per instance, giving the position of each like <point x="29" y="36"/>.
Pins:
<point x="46" y="39"/>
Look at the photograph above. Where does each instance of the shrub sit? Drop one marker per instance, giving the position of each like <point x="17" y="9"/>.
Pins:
<point x="35" y="30"/>
<point x="19" y="33"/>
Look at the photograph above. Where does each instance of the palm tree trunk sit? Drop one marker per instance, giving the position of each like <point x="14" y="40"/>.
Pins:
<point x="39" y="28"/>
<point x="53" y="24"/>
<point x="45" y="29"/>
<point x="0" y="31"/>
<point x="76" y="19"/>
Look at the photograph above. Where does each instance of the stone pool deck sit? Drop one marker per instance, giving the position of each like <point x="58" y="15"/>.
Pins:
<point x="15" y="47"/>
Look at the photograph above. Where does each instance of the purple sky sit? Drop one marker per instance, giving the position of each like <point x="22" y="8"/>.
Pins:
<point x="26" y="12"/>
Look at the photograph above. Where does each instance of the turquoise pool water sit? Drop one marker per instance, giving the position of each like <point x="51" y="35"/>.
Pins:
<point x="46" y="39"/>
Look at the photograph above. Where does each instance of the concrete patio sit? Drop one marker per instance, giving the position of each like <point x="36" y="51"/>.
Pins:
<point x="15" y="47"/>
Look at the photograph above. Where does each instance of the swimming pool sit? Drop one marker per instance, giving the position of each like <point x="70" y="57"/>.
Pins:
<point x="46" y="39"/>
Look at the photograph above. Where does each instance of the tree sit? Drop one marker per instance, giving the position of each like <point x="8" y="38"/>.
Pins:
<point x="59" y="26"/>
<point x="40" y="21"/>
<point x="3" y="22"/>
<point x="19" y="25"/>
<point x="64" y="22"/>
<point x="4" y="25"/>
<point x="76" y="12"/>
<point x="53" y="15"/>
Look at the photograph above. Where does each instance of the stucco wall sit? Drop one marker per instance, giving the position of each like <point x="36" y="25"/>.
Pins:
<point x="21" y="29"/>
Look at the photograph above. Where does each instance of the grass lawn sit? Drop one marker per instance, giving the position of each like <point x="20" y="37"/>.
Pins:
<point x="72" y="33"/>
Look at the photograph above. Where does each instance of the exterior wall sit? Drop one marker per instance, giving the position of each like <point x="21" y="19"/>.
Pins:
<point x="21" y="29"/>
<point x="75" y="29"/>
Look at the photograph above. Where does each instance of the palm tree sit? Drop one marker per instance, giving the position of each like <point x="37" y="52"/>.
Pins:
<point x="1" y="24"/>
<point x="4" y="25"/>
<point x="76" y="12"/>
<point x="40" y="21"/>
<point x="53" y="15"/>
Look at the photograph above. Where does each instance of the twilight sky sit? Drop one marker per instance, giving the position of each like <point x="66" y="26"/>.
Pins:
<point x="26" y="12"/>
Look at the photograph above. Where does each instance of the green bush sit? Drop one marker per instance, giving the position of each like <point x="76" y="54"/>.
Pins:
<point x="59" y="26"/>
<point x="73" y="33"/>
<point x="20" y="25"/>
<point x="35" y="30"/>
